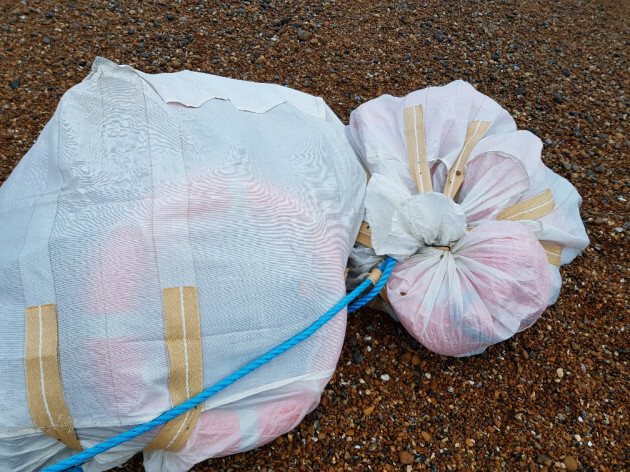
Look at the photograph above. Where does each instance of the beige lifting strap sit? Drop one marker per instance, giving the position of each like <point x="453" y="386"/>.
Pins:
<point x="416" y="141"/>
<point x="183" y="342"/>
<point x="531" y="209"/>
<point x="554" y="253"/>
<point x="455" y="178"/>
<point x="365" y="235"/>
<point x="43" y="380"/>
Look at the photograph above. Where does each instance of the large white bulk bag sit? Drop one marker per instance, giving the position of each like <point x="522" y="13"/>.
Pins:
<point x="462" y="199"/>
<point x="164" y="231"/>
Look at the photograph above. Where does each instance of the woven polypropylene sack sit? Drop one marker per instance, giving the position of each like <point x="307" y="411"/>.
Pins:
<point x="487" y="278"/>
<point x="164" y="231"/>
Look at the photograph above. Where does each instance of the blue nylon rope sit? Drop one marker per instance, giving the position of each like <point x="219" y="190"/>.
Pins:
<point x="387" y="270"/>
<point x="70" y="464"/>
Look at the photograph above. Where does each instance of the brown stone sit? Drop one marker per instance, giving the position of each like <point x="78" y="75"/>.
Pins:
<point x="406" y="458"/>
<point x="571" y="463"/>
<point x="406" y="357"/>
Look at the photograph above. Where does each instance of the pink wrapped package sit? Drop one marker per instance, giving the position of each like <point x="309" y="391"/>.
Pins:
<point x="462" y="199"/>
<point x="447" y="291"/>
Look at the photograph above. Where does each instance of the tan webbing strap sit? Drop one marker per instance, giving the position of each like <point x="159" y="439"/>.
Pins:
<point x="455" y="178"/>
<point x="533" y="208"/>
<point x="529" y="209"/>
<point x="375" y="275"/>
<point x="554" y="253"/>
<point x="43" y="379"/>
<point x="183" y="342"/>
<point x="416" y="141"/>
<point x="365" y="235"/>
<point x="383" y="294"/>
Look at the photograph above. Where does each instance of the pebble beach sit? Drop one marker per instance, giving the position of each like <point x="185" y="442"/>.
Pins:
<point x="556" y="396"/>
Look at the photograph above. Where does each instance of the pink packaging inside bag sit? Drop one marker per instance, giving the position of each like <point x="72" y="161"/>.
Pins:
<point x="233" y="428"/>
<point x="482" y="291"/>
<point x="511" y="222"/>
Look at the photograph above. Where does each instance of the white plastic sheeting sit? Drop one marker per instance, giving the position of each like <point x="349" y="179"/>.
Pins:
<point x="496" y="278"/>
<point x="242" y="198"/>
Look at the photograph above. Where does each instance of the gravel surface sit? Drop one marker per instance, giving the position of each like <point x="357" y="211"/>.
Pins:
<point x="554" y="397"/>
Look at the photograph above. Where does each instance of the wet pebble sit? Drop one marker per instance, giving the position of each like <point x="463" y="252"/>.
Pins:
<point x="304" y="35"/>
<point x="570" y="463"/>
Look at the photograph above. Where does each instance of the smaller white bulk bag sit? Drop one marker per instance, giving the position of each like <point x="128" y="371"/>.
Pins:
<point x="462" y="199"/>
<point x="163" y="232"/>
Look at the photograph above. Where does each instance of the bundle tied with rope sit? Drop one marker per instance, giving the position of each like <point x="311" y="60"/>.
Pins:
<point x="479" y="259"/>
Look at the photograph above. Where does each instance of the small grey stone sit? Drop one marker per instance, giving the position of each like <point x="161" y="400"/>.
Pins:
<point x="357" y="357"/>
<point x="558" y="98"/>
<point x="46" y="41"/>
<point x="15" y="83"/>
<point x="304" y="35"/>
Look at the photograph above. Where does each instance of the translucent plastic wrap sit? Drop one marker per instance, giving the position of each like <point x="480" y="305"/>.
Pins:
<point x="163" y="232"/>
<point x="462" y="199"/>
